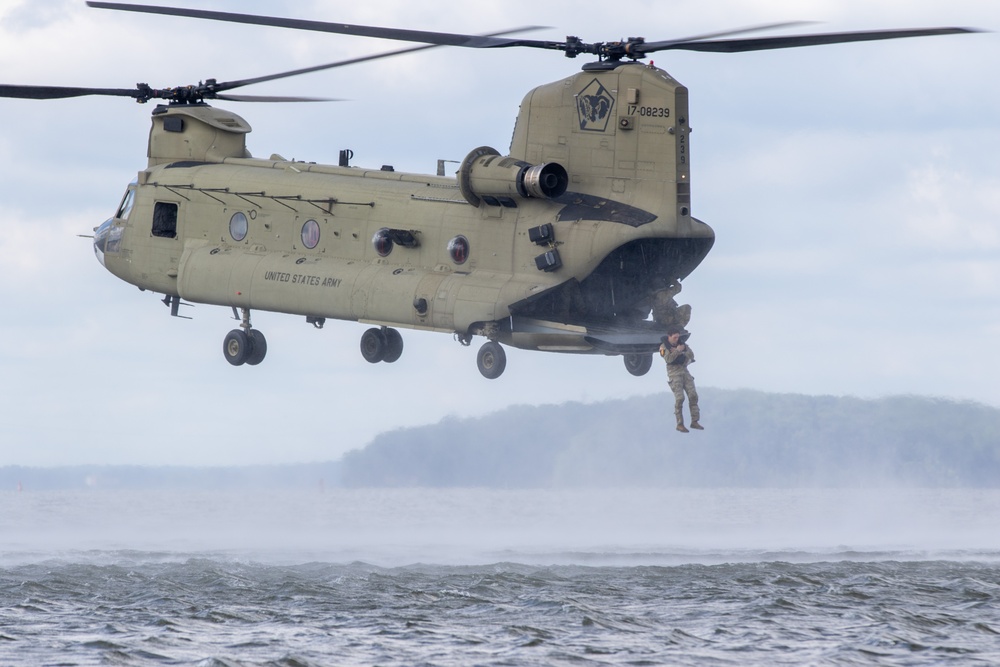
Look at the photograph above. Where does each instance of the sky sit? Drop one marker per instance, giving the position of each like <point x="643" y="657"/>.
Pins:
<point x="854" y="190"/>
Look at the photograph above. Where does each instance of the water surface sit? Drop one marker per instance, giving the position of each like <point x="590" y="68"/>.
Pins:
<point x="468" y="576"/>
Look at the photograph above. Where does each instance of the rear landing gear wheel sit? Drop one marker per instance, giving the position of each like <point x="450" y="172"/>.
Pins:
<point x="393" y="346"/>
<point x="638" y="364"/>
<point x="492" y="360"/>
<point x="236" y="347"/>
<point x="258" y="347"/>
<point x="373" y="345"/>
<point x="383" y="344"/>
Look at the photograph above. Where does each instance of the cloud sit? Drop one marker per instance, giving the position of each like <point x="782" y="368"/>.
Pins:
<point x="953" y="209"/>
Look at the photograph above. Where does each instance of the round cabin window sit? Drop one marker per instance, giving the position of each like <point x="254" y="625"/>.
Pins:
<point x="458" y="249"/>
<point x="238" y="226"/>
<point x="310" y="234"/>
<point x="382" y="241"/>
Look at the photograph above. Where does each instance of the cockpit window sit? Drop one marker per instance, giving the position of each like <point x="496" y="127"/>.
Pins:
<point x="126" y="206"/>
<point x="114" y="239"/>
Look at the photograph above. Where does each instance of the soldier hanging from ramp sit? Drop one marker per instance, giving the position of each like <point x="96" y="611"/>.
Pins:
<point x="678" y="356"/>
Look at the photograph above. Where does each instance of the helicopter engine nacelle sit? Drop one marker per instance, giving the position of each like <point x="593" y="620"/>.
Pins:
<point x="487" y="177"/>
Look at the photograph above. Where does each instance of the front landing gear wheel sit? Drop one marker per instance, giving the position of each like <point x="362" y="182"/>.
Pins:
<point x="638" y="364"/>
<point x="373" y="345"/>
<point x="236" y="347"/>
<point x="258" y="348"/>
<point x="492" y="360"/>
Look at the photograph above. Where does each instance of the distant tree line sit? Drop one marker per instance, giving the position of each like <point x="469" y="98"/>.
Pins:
<point x="753" y="439"/>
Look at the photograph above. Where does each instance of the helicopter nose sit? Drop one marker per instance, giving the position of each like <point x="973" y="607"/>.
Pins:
<point x="101" y="235"/>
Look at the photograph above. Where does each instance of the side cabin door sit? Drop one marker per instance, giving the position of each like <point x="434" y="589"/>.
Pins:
<point x="165" y="245"/>
<point x="165" y="215"/>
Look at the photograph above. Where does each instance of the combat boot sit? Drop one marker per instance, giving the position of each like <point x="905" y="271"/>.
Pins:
<point x="681" y="427"/>
<point x="696" y="425"/>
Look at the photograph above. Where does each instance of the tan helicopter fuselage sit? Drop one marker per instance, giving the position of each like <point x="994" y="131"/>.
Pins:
<point x="567" y="236"/>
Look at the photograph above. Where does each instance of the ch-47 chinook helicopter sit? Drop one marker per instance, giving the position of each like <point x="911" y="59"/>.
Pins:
<point x="565" y="243"/>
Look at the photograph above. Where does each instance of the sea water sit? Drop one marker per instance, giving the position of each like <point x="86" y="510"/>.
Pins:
<point x="500" y="577"/>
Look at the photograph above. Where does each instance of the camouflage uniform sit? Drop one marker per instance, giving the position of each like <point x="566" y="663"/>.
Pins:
<point x="666" y="312"/>
<point x="681" y="382"/>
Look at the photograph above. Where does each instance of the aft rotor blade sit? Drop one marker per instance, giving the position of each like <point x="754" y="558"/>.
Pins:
<point x="572" y="46"/>
<point x="230" y="85"/>
<point x="792" y="41"/>
<point x="61" y="92"/>
<point x="726" y="33"/>
<point x="426" y="37"/>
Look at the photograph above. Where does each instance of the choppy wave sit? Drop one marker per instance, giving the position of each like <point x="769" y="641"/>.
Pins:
<point x="500" y="578"/>
<point x="138" y="608"/>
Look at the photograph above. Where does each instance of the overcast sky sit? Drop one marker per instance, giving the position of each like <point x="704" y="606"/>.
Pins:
<point x="854" y="190"/>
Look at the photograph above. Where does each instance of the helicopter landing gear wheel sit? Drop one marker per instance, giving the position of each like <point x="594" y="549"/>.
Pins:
<point x="383" y="344"/>
<point x="492" y="360"/>
<point x="236" y="347"/>
<point x="373" y="345"/>
<point x="393" y="346"/>
<point x="245" y="345"/>
<point x="258" y="347"/>
<point x="638" y="364"/>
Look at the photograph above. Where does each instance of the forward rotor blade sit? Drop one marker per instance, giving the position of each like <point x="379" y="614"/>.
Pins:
<point x="230" y="85"/>
<point x="792" y="41"/>
<point x="143" y="93"/>
<point x="60" y="92"/>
